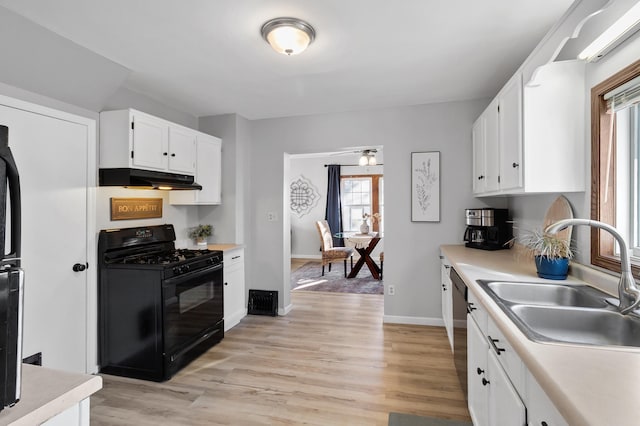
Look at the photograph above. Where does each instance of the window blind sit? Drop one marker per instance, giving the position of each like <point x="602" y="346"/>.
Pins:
<point x="624" y="96"/>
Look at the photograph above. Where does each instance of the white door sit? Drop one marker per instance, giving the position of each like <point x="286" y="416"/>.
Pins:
<point x="51" y="156"/>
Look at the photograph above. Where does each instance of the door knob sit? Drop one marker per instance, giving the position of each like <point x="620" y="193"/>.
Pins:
<point x="79" y="267"/>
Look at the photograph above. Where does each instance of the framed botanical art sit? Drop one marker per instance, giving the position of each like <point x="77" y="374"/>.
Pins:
<point x="425" y="186"/>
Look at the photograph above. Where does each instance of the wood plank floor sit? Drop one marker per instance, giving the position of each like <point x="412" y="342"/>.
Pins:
<point x="331" y="361"/>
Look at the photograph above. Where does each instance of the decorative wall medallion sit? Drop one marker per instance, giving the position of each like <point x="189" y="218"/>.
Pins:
<point x="304" y="196"/>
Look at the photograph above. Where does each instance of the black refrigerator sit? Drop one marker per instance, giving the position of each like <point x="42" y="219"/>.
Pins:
<point x="11" y="277"/>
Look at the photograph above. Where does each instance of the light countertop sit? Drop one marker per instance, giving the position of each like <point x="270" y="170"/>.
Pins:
<point x="224" y="247"/>
<point x="588" y="385"/>
<point x="46" y="393"/>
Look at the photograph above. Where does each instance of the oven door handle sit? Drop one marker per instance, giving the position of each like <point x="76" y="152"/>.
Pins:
<point x="192" y="275"/>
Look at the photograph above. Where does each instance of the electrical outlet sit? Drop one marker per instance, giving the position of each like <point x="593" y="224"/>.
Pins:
<point x="391" y="290"/>
<point x="271" y="216"/>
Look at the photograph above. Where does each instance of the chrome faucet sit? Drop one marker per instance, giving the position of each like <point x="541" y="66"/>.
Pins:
<point x="628" y="292"/>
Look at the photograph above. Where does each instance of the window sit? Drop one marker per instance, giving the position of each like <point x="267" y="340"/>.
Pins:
<point x="361" y="194"/>
<point x="615" y="174"/>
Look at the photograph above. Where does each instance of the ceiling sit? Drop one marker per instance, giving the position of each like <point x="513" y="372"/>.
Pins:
<point x="206" y="57"/>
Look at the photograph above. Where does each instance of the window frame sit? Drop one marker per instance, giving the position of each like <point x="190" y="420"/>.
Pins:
<point x="603" y="250"/>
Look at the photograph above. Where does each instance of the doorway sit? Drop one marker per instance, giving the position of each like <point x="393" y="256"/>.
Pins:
<point x="307" y="178"/>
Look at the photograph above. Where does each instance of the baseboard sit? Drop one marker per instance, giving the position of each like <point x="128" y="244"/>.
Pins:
<point x="285" y="310"/>
<point x="393" y="319"/>
<point x="234" y="319"/>
<point x="307" y="256"/>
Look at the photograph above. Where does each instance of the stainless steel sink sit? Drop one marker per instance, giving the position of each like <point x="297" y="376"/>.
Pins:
<point x="547" y="294"/>
<point x="579" y="325"/>
<point x="563" y="313"/>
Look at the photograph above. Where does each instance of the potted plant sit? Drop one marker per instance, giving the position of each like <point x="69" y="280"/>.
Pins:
<point x="200" y="233"/>
<point x="551" y="254"/>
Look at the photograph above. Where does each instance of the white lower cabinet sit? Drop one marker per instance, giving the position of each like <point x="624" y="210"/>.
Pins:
<point x="235" y="307"/>
<point x="501" y="389"/>
<point x="447" y="298"/>
<point x="477" y="377"/>
<point x="505" y="405"/>
<point x="540" y="409"/>
<point x="76" y="415"/>
<point x="493" y="400"/>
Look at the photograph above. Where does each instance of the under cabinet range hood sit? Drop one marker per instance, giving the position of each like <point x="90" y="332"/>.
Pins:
<point x="146" y="179"/>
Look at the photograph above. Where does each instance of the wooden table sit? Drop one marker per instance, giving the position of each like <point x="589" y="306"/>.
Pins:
<point x="364" y="245"/>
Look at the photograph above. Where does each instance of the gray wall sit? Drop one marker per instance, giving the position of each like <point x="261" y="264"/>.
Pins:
<point x="528" y="211"/>
<point x="411" y="248"/>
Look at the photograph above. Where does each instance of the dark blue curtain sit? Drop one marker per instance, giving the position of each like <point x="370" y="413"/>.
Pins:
<point x="333" y="213"/>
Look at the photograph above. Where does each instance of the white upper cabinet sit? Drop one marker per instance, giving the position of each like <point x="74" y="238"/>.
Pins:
<point x="478" y="140"/>
<point x="491" y="146"/>
<point x="149" y="142"/>
<point x="208" y="174"/>
<point x="133" y="139"/>
<point x="182" y="150"/>
<point x="534" y="134"/>
<point x="510" y="116"/>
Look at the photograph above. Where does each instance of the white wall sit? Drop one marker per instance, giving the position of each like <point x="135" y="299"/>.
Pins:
<point x="411" y="248"/>
<point x="529" y="210"/>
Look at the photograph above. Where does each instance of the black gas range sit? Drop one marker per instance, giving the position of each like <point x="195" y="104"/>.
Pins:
<point x="159" y="307"/>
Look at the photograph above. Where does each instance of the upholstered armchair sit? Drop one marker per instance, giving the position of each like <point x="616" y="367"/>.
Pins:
<point x="330" y="253"/>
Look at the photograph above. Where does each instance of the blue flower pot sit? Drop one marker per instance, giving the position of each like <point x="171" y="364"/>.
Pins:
<point x="552" y="269"/>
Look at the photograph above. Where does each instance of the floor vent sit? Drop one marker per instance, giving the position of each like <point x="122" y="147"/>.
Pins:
<point x="263" y="302"/>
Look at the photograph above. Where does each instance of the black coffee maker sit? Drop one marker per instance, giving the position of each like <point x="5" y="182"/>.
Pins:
<point x="488" y="229"/>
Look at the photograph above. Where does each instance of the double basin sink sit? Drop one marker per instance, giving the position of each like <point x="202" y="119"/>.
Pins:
<point x="562" y="313"/>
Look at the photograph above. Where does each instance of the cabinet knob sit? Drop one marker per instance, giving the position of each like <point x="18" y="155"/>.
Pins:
<point x="485" y="382"/>
<point x="79" y="267"/>
<point x="173" y="154"/>
<point x="479" y="371"/>
<point x="165" y="153"/>
<point x="480" y="177"/>
<point x="444" y="287"/>
<point x="471" y="307"/>
<point x="543" y="423"/>
<point x="226" y="283"/>
<point x="515" y="165"/>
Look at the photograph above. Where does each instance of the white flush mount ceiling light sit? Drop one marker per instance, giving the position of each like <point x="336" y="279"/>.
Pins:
<point x="368" y="157"/>
<point x="289" y="36"/>
<point x="622" y="29"/>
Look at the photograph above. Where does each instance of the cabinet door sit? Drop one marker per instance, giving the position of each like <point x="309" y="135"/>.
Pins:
<point x="150" y="142"/>
<point x="540" y="409"/>
<point x="208" y="169"/>
<point x="234" y="306"/>
<point x="478" y="141"/>
<point x="510" y="126"/>
<point x="478" y="397"/>
<point x="182" y="151"/>
<point x="505" y="405"/>
<point x="491" y="144"/>
<point x="447" y="299"/>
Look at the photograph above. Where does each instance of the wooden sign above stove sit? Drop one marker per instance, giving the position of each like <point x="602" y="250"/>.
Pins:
<point x="136" y="208"/>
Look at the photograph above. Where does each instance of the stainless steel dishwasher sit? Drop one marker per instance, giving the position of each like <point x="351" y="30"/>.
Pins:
<point x="460" y="328"/>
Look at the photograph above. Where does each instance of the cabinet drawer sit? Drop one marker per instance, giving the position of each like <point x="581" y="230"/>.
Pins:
<point x="477" y="311"/>
<point x="233" y="258"/>
<point x="507" y="356"/>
